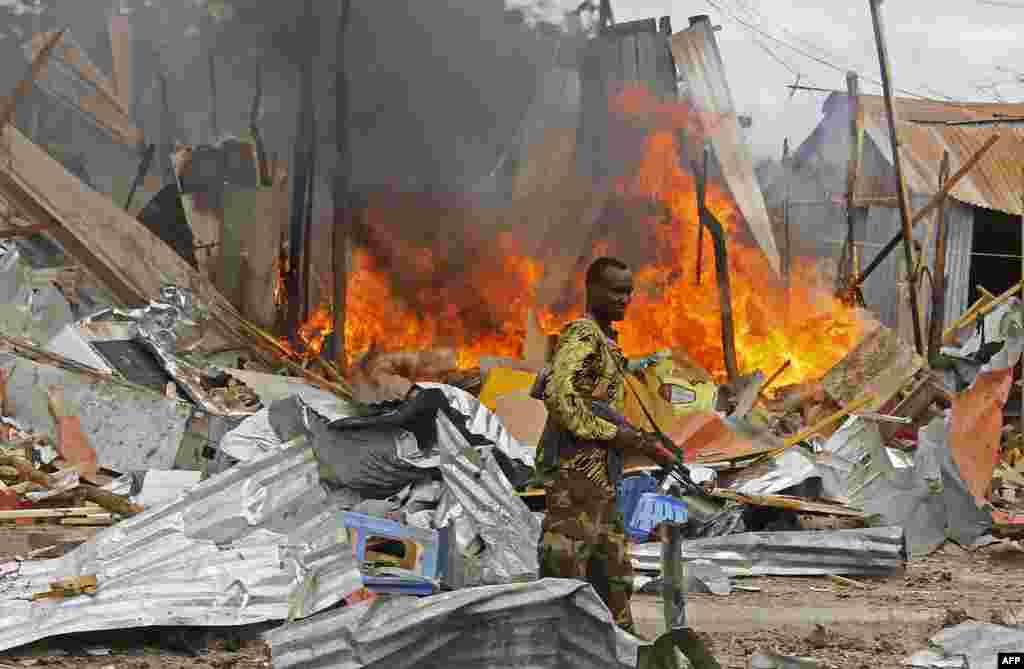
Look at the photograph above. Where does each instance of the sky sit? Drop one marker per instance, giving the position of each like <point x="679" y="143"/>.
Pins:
<point x="944" y="49"/>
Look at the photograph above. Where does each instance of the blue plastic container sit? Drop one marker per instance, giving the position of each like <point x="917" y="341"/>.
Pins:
<point x="651" y="510"/>
<point x="628" y="491"/>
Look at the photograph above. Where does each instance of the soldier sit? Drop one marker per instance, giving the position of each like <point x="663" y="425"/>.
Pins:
<point x="580" y="454"/>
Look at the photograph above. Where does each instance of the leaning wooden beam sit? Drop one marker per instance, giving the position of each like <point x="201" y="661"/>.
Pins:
<point x="939" y="277"/>
<point x="979" y="310"/>
<point x="928" y="208"/>
<point x="846" y="265"/>
<point x="901" y="184"/>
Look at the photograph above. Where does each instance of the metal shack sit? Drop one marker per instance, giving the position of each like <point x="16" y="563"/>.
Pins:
<point x="982" y="212"/>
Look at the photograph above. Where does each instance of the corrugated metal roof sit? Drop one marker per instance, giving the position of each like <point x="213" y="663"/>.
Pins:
<point x="699" y="61"/>
<point x="873" y="551"/>
<point x="258" y="542"/>
<point x="547" y="623"/>
<point x="926" y="128"/>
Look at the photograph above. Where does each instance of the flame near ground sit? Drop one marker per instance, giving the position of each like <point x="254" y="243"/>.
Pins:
<point x="415" y="285"/>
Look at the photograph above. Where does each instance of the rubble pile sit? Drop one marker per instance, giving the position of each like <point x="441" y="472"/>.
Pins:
<point x="264" y="497"/>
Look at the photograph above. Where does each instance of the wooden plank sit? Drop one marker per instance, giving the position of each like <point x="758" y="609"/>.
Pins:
<point x="68" y="512"/>
<point x="121" y="49"/>
<point x="791" y="503"/>
<point x="26" y="231"/>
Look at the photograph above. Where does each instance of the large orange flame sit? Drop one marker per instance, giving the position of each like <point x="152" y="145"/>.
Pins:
<point x="476" y="297"/>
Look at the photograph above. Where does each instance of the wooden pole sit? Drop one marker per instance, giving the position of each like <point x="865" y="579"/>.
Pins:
<point x="214" y="123"/>
<point x="300" y="186"/>
<point x="307" y="224"/>
<point x="927" y="209"/>
<point x="1021" y="363"/>
<point x="340" y="232"/>
<point x="852" y="171"/>
<point x="901" y="186"/>
<point x="717" y="231"/>
<point x="939" y="275"/>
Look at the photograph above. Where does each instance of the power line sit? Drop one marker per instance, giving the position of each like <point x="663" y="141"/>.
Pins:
<point x="815" y="58"/>
<point x="995" y="3"/>
<point x="776" y="58"/>
<point x="753" y="14"/>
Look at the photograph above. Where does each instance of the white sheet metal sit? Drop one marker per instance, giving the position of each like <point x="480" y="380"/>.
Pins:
<point x="867" y="552"/>
<point x="551" y="623"/>
<point x="256" y="543"/>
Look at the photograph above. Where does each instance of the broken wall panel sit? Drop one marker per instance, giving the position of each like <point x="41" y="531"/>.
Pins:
<point x="129" y="429"/>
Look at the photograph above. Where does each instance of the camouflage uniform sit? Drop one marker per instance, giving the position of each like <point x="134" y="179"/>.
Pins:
<point x="583" y="532"/>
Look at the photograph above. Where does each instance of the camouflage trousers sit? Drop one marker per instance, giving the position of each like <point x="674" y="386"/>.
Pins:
<point x="584" y="538"/>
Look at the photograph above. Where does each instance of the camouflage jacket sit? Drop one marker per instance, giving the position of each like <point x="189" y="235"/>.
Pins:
<point x="586" y="366"/>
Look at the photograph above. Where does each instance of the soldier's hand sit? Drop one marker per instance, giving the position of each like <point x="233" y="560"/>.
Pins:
<point x="629" y="439"/>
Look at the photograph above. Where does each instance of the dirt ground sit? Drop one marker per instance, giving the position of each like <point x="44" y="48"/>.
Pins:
<point x="839" y="625"/>
<point x="849" y="627"/>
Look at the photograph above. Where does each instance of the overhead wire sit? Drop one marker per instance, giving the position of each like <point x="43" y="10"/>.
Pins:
<point x="730" y="15"/>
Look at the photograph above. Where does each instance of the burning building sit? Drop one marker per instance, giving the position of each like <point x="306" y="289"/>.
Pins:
<point x="606" y="162"/>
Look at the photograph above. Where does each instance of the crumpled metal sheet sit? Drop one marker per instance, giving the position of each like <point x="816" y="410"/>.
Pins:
<point x="256" y="543"/>
<point x="551" y="623"/>
<point x="484" y="422"/>
<point x="479" y="501"/>
<point x="865" y="552"/>
<point x="930" y="500"/>
<point x="969" y="645"/>
<point x="253" y="438"/>
<point x="852" y="456"/>
<point x="791" y="467"/>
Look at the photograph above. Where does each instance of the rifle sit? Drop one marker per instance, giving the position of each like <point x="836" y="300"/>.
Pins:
<point x="667" y="450"/>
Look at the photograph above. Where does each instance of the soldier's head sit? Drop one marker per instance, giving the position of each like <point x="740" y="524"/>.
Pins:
<point x="609" y="285"/>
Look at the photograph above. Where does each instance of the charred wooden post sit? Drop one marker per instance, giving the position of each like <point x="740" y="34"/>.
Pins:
<point x="939" y="276"/>
<point x="707" y="219"/>
<point x="300" y="184"/>
<point x="307" y="223"/>
<point x="854" y="214"/>
<point x="214" y="123"/>
<point x="341" y="187"/>
<point x="901" y="187"/>
<point x="144" y="165"/>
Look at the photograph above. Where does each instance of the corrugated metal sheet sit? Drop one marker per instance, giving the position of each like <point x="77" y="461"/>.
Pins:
<point x="258" y="542"/>
<point x="551" y="623"/>
<point x="994" y="183"/>
<point x="868" y="552"/>
<point x="699" y="61"/>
